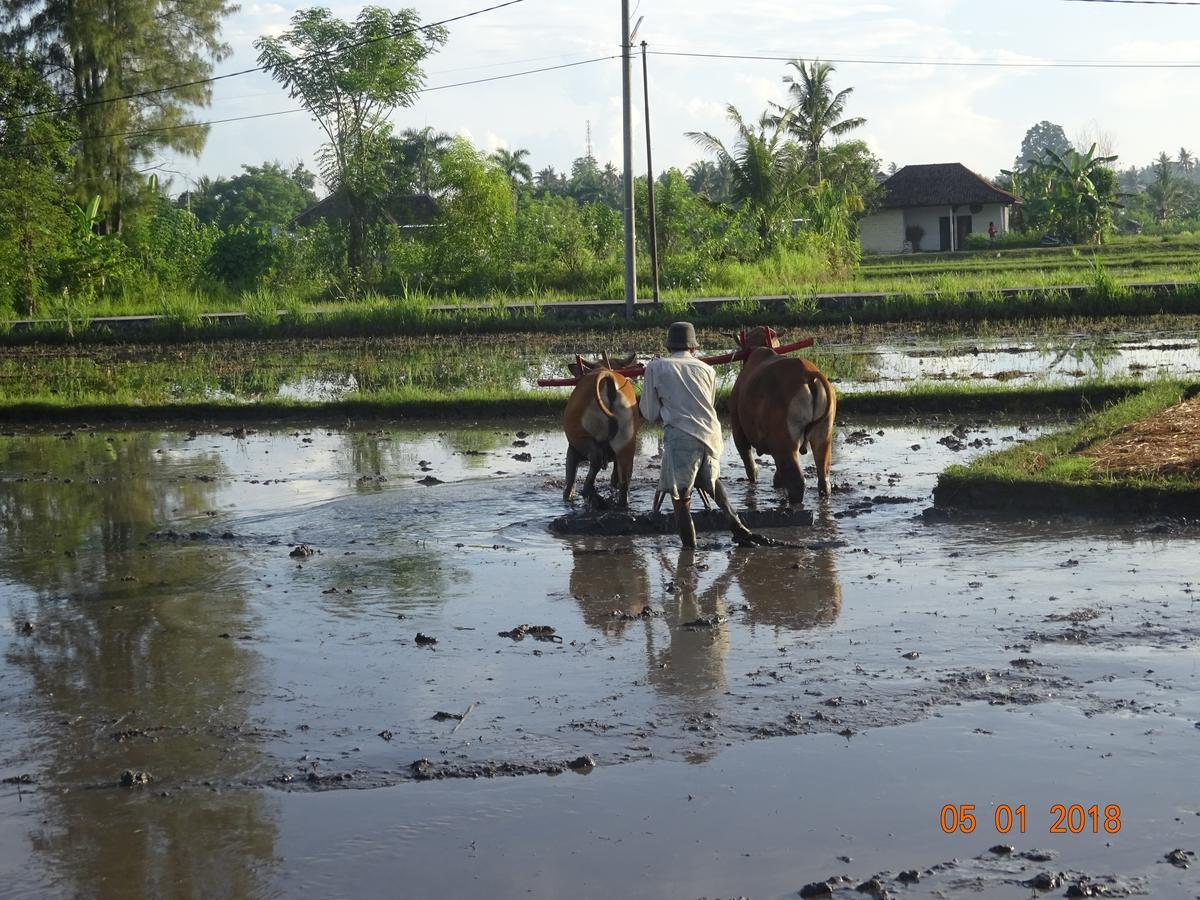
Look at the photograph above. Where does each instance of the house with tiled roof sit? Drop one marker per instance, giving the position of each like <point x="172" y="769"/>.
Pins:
<point x="934" y="208"/>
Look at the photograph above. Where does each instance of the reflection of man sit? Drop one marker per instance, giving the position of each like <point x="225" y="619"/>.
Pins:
<point x="680" y="391"/>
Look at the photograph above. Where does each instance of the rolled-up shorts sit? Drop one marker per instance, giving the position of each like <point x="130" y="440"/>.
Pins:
<point x="686" y="464"/>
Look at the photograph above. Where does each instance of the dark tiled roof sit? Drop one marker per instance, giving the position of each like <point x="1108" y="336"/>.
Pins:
<point x="939" y="184"/>
<point x="415" y="209"/>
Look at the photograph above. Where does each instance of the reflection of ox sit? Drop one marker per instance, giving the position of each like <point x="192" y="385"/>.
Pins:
<point x="780" y="405"/>
<point x="601" y="423"/>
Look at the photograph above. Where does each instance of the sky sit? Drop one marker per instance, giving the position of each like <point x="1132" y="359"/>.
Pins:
<point x="916" y="113"/>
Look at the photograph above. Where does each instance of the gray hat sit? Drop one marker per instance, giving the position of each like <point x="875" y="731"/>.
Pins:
<point x="681" y="336"/>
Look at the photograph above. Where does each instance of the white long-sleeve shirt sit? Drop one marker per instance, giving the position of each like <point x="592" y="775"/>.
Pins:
<point x="680" y="390"/>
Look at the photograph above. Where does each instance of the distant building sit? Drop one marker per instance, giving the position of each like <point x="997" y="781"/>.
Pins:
<point x="410" y="211"/>
<point x="934" y="208"/>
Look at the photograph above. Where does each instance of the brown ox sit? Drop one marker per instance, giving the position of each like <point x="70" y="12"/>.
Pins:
<point x="780" y="406"/>
<point x="601" y="423"/>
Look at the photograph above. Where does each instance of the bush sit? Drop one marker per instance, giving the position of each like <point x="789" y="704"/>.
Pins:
<point x="244" y="257"/>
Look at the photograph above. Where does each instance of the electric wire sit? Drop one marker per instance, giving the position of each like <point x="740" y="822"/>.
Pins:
<point x="214" y="78"/>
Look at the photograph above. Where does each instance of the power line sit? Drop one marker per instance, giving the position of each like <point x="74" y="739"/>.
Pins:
<point x="1011" y="64"/>
<point x="298" y="59"/>
<point x="1143" y="2"/>
<point x="283" y="112"/>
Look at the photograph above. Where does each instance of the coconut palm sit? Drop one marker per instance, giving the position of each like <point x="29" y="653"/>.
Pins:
<point x="762" y="168"/>
<point x="513" y="164"/>
<point x="814" y="112"/>
<point x="1187" y="162"/>
<point x="420" y="149"/>
<point x="1165" y="190"/>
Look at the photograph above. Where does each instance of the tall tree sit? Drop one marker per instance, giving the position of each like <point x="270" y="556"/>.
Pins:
<point x="34" y="167"/>
<point x="512" y="163"/>
<point x="418" y="152"/>
<point x="349" y="76"/>
<point x="814" y="112"/>
<point x="1187" y="162"/>
<point x="261" y="195"/>
<point x="93" y="53"/>
<point x="763" y="169"/>
<point x="1076" y="193"/>
<point x="1042" y="137"/>
<point x="1165" y="191"/>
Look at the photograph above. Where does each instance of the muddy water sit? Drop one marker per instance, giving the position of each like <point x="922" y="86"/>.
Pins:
<point x="156" y="622"/>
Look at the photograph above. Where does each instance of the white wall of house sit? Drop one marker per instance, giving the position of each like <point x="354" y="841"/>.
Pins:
<point x="882" y="231"/>
<point x="885" y="231"/>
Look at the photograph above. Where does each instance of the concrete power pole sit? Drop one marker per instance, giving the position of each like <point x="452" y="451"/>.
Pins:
<point x="627" y="140"/>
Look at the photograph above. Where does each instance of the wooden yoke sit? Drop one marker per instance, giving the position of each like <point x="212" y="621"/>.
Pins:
<point x="639" y="370"/>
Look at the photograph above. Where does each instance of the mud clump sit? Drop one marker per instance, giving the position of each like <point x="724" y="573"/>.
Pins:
<point x="537" y="632"/>
<point x="440" y="716"/>
<point x="1180" y="858"/>
<point x="131" y="778"/>
<point x="425" y="640"/>
<point x="582" y="764"/>
<point x="302" y="551"/>
<point x="704" y="622"/>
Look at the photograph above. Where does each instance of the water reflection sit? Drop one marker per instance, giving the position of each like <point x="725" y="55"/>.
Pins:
<point x="134" y="662"/>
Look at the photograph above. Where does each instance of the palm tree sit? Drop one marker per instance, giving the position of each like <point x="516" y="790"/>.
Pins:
<point x="1187" y="162"/>
<point x="762" y="168"/>
<point x="512" y="163"/>
<point x="1165" y="191"/>
<point x="548" y="181"/>
<point x="815" y="111"/>
<point x="420" y="149"/>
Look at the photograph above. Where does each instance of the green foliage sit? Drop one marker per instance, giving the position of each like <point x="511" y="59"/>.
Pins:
<point x="814" y="112"/>
<point x="244" y="257"/>
<point x="261" y="307"/>
<point x="1070" y="195"/>
<point x="92" y="52"/>
<point x="170" y="244"/>
<point x="262" y="195"/>
<point x="369" y="67"/>
<point x="475" y="230"/>
<point x="182" y="312"/>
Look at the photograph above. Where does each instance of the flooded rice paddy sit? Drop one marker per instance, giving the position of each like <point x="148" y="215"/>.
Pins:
<point x="337" y="369"/>
<point x="212" y="682"/>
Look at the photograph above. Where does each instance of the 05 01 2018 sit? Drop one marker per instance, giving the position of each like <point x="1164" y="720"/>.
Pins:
<point x="1074" y="818"/>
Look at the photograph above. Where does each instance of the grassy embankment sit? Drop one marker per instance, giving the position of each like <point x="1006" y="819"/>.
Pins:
<point x="1050" y="475"/>
<point x="965" y="287"/>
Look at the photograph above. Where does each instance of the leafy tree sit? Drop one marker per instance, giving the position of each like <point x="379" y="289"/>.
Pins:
<point x="763" y="170"/>
<point x="261" y="195"/>
<point x="34" y="169"/>
<point x="549" y="182"/>
<point x="814" y="112"/>
<point x="91" y="53"/>
<point x="367" y="68"/>
<point x="471" y="248"/>
<point x="1042" y="137"/>
<point x="512" y="163"/>
<point x="1072" y="194"/>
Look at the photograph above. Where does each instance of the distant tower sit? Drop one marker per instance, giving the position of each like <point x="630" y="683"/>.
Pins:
<point x="589" y="138"/>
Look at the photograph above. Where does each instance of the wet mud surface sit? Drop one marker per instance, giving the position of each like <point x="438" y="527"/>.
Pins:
<point x="282" y="663"/>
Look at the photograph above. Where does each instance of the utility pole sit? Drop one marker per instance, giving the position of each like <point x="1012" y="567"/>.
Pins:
<point x="627" y="140"/>
<point x="650" y="178"/>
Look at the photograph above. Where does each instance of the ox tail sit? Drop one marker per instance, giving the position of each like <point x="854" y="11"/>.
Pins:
<point x="607" y="383"/>
<point x="818" y="384"/>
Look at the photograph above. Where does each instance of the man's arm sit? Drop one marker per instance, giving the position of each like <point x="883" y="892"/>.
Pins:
<point x="650" y="405"/>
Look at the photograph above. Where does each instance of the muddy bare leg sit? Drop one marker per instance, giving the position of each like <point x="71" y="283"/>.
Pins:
<point x="683" y="521"/>
<point x="741" y="534"/>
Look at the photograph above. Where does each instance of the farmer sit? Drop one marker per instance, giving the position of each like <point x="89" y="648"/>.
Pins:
<point x="679" y="391"/>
